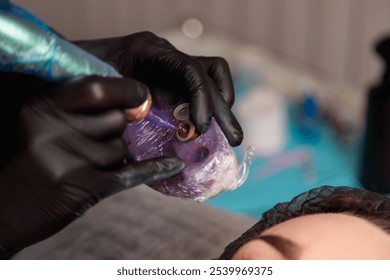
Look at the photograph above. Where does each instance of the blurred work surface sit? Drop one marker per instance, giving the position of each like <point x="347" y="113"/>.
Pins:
<point x="307" y="128"/>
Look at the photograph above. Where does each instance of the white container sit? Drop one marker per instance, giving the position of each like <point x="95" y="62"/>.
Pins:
<point x="262" y="115"/>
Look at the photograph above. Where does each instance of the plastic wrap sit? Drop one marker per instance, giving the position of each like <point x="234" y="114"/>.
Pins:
<point x="210" y="163"/>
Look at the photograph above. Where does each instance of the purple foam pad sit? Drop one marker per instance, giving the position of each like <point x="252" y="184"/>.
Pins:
<point x="210" y="163"/>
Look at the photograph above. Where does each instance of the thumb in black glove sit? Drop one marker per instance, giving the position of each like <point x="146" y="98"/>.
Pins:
<point x="71" y="157"/>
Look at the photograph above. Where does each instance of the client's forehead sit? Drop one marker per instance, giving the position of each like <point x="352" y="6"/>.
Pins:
<point x="324" y="224"/>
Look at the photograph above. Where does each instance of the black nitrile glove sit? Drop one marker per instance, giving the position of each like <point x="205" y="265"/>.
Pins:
<point x="16" y="88"/>
<point x="153" y="60"/>
<point x="71" y="156"/>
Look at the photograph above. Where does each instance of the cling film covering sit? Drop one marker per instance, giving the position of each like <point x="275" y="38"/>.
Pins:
<point x="210" y="163"/>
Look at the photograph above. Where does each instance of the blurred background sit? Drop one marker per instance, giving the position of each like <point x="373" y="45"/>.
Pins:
<point x="302" y="70"/>
<point x="332" y="37"/>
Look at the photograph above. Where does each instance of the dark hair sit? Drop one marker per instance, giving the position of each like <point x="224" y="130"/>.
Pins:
<point x="358" y="202"/>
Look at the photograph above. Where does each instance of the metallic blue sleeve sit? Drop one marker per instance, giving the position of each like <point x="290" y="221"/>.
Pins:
<point x="29" y="46"/>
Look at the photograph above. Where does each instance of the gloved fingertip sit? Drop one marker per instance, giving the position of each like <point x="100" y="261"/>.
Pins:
<point x="201" y="111"/>
<point x="235" y="138"/>
<point x="167" y="167"/>
<point x="172" y="164"/>
<point x="136" y="91"/>
<point x="201" y="128"/>
<point x="140" y="112"/>
<point x="229" y="125"/>
<point x="202" y="124"/>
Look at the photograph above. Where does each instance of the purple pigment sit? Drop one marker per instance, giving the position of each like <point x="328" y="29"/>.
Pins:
<point x="210" y="163"/>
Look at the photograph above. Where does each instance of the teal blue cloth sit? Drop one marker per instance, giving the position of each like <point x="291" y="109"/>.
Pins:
<point x="334" y="164"/>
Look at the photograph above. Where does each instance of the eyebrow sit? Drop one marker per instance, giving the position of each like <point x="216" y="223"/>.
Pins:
<point x="286" y="247"/>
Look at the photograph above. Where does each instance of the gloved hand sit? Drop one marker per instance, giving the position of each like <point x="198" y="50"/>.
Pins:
<point x="153" y="60"/>
<point x="71" y="157"/>
<point x="22" y="87"/>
